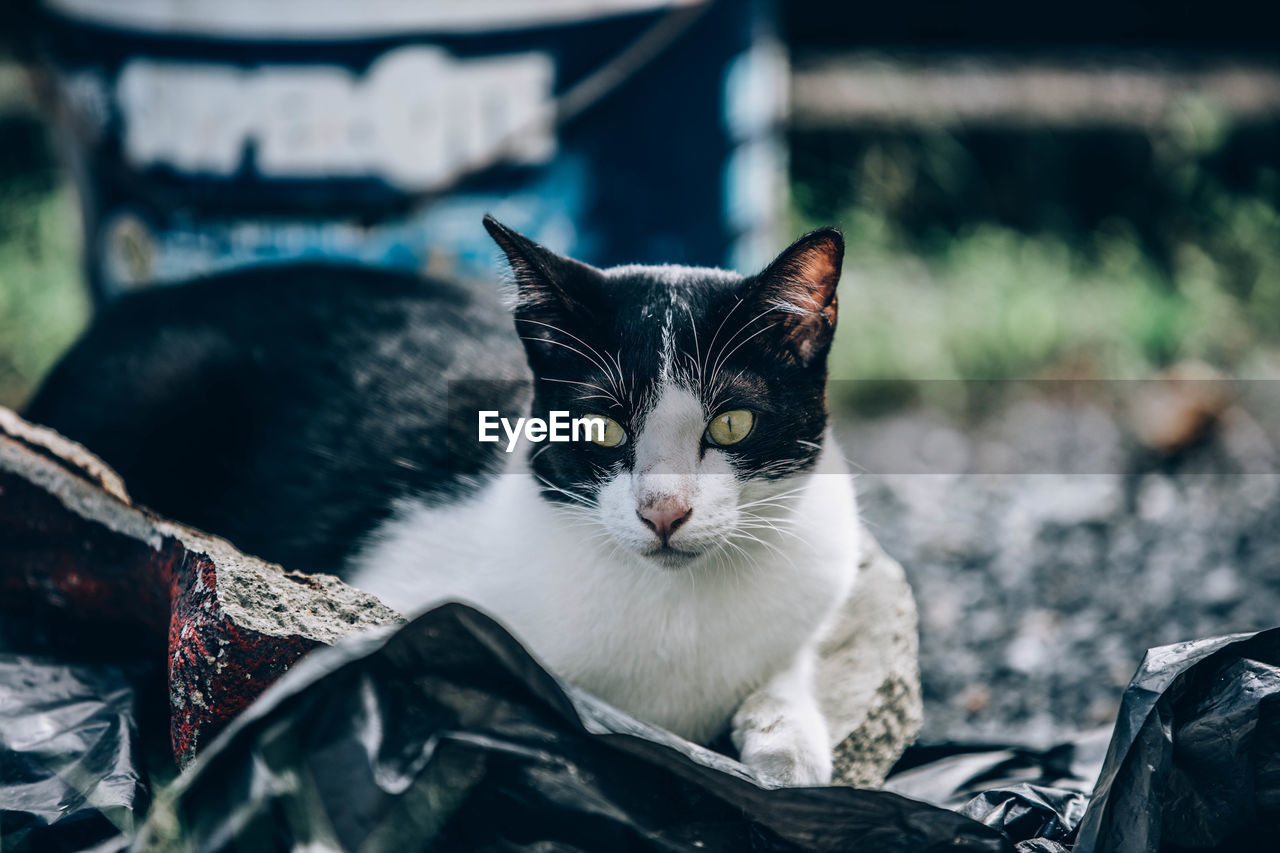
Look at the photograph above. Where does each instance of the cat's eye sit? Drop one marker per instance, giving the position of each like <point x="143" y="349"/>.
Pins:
<point x="611" y="434"/>
<point x="730" y="427"/>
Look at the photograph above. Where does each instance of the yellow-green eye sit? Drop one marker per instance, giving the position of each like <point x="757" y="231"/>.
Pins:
<point x="611" y="434"/>
<point x="730" y="427"/>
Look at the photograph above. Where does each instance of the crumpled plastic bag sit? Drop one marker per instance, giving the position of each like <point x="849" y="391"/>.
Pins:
<point x="447" y="735"/>
<point x="1194" y="763"/>
<point x="71" y="775"/>
<point x="1029" y="794"/>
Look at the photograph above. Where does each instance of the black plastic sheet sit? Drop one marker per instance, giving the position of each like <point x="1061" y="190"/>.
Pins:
<point x="1032" y="795"/>
<point x="71" y="773"/>
<point x="1194" y="763"/>
<point x="447" y="735"/>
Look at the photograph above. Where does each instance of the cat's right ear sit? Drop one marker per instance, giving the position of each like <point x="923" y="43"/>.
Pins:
<point x="549" y="287"/>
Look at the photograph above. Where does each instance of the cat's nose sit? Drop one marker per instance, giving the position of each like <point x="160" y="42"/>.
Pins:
<point x="664" y="516"/>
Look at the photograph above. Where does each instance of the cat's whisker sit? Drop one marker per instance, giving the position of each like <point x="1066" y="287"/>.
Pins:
<point x="751" y="537"/>
<point x="584" y="515"/>
<point x="720" y="359"/>
<point x="631" y="389"/>
<point x="617" y="361"/>
<point x="604" y="391"/>
<point x="581" y="499"/>
<point x="596" y="357"/>
<point x="785" y="522"/>
<point x="697" y="350"/>
<point x="743" y="533"/>
<point x="787" y="507"/>
<point x="602" y="537"/>
<point x="572" y="349"/>
<point x="789" y="494"/>
<point x="782" y="522"/>
<point x="581" y="522"/>
<point x="848" y="460"/>
<point x="720" y="553"/>
<point x="780" y="518"/>
<point x="779" y="530"/>
<point x="744" y="342"/>
<point x="734" y="545"/>
<point x="711" y="346"/>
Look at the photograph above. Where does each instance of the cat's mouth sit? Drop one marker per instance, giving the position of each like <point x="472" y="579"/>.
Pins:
<point x="670" y="557"/>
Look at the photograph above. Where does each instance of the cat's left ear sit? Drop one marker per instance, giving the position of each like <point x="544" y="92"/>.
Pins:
<point x="800" y="287"/>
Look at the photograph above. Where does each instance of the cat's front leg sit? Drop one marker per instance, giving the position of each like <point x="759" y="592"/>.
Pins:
<point x="780" y="732"/>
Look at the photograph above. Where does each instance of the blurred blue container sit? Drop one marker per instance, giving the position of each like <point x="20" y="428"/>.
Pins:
<point x="214" y="135"/>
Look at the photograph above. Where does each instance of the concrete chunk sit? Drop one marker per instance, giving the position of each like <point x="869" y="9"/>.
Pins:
<point x="115" y="578"/>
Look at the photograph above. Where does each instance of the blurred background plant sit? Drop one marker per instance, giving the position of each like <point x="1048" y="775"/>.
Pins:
<point x="1093" y="253"/>
<point x="43" y="301"/>
<point x="984" y="252"/>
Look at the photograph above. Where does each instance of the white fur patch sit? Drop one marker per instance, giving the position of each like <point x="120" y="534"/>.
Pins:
<point x="679" y="647"/>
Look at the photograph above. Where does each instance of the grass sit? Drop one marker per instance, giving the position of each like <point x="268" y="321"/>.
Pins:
<point x="994" y="302"/>
<point x="997" y="304"/>
<point x="43" y="301"/>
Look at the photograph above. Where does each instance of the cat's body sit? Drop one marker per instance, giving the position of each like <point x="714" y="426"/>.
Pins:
<point x="324" y="417"/>
<point x="287" y="409"/>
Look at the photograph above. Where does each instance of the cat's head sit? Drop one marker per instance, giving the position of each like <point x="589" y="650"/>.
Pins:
<point x="713" y="385"/>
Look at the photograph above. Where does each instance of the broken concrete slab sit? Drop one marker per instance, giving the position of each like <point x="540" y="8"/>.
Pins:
<point x="231" y="624"/>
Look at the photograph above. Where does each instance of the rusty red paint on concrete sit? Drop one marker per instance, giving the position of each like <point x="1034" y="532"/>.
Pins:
<point x="115" y="592"/>
<point x="216" y="667"/>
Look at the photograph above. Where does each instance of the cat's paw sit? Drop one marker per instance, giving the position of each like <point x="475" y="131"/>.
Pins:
<point x="786" y="747"/>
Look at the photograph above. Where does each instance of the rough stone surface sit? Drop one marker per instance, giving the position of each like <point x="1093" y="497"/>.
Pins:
<point x="868" y="674"/>
<point x="111" y="577"/>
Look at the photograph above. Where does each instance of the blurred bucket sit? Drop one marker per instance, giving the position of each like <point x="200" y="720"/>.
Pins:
<point x="214" y="135"/>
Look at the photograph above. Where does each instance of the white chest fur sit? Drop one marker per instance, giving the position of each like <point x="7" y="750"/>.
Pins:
<point x="679" y="648"/>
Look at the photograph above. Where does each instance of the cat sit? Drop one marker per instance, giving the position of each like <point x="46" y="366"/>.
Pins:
<point x="680" y="562"/>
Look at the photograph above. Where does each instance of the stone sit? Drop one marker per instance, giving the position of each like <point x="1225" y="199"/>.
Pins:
<point x="99" y="575"/>
<point x="868" y="677"/>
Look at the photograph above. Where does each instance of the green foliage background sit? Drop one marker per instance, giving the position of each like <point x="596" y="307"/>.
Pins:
<point x="43" y="302"/>
<point x="973" y="297"/>
<point x="1193" y="276"/>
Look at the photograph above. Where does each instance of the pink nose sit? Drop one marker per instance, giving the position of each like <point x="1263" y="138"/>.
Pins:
<point x="664" y="516"/>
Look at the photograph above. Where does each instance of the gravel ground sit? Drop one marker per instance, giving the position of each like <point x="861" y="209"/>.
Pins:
<point x="1040" y="587"/>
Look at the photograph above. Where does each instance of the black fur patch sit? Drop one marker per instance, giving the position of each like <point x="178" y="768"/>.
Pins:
<point x="288" y="408"/>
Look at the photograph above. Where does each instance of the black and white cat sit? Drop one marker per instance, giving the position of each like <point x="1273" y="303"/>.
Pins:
<point x="681" y="565"/>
